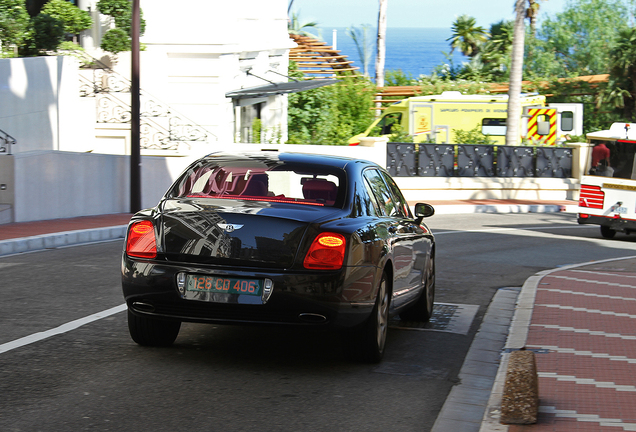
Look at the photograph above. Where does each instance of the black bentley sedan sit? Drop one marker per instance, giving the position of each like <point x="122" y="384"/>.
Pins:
<point x="279" y="238"/>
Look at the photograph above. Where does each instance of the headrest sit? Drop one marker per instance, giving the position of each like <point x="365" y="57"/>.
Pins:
<point x="320" y="189"/>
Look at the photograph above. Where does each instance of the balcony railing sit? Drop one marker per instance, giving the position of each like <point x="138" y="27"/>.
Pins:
<point x="6" y="141"/>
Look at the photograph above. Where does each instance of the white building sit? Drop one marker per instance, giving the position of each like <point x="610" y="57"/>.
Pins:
<point x="197" y="51"/>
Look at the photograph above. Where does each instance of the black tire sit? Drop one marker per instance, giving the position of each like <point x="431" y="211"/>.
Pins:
<point x="422" y="310"/>
<point x="148" y="331"/>
<point x="607" y="232"/>
<point x="370" y="339"/>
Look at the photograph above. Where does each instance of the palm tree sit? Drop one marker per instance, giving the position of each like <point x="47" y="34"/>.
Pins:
<point x="294" y="26"/>
<point x="621" y="88"/>
<point x="495" y="54"/>
<point x="467" y="36"/>
<point x="501" y="36"/>
<point x="381" y="44"/>
<point x="531" y="13"/>
<point x="361" y="39"/>
<point x="516" y="74"/>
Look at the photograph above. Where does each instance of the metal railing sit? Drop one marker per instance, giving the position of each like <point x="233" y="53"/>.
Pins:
<point x="160" y="126"/>
<point x="6" y="141"/>
<point x="463" y="160"/>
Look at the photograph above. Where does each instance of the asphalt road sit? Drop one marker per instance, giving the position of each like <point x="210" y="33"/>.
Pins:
<point x="91" y="376"/>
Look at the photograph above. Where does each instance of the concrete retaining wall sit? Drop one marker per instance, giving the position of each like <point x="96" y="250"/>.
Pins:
<point x="43" y="185"/>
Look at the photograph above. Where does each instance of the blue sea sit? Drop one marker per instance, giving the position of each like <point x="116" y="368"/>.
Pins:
<point x="416" y="51"/>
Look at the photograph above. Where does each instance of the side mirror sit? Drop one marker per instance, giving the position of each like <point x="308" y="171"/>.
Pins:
<point x="423" y="210"/>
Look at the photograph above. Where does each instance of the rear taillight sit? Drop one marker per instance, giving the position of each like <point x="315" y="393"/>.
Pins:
<point x="326" y="252"/>
<point x="591" y="197"/>
<point x="141" y="240"/>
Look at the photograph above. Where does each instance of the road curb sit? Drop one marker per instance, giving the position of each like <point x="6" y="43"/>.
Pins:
<point x="465" y="405"/>
<point x="61" y="239"/>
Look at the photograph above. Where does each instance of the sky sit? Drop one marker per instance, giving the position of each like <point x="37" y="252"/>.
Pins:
<point x="413" y="13"/>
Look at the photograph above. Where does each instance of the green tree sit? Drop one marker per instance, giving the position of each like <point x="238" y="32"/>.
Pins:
<point x="492" y="61"/>
<point x="621" y="89"/>
<point x="74" y="19"/>
<point x="578" y="40"/>
<point x="48" y="33"/>
<point x="467" y="36"/>
<point x="498" y="47"/>
<point x="14" y="26"/>
<point x="331" y="114"/>
<point x="120" y="36"/>
<point x="34" y="6"/>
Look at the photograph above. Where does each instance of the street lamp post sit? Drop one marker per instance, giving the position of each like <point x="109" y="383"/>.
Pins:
<point x="135" y="156"/>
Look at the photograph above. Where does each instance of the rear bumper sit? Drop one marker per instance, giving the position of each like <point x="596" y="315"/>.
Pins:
<point x="341" y="299"/>
<point x="617" y="224"/>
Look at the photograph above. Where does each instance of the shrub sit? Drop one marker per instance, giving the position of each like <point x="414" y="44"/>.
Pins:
<point x="48" y="33"/>
<point x="473" y="136"/>
<point x="74" y="19"/>
<point x="115" y="41"/>
<point x="14" y="26"/>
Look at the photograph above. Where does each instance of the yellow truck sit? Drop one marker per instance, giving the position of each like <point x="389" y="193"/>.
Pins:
<point x="433" y="118"/>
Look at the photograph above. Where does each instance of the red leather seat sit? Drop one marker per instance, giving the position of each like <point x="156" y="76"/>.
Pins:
<point x="320" y="190"/>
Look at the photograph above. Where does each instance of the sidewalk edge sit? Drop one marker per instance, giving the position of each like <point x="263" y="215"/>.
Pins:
<point x="61" y="239"/>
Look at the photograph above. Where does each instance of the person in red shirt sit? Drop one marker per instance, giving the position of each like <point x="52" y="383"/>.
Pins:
<point x="601" y="160"/>
<point x="600" y="152"/>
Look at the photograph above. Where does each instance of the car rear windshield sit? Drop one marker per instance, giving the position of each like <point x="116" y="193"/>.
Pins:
<point x="284" y="183"/>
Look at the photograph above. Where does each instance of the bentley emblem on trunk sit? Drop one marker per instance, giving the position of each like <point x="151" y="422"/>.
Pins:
<point x="230" y="227"/>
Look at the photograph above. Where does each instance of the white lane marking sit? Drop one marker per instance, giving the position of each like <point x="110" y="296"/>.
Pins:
<point x="586" y="331"/>
<point x="588" y="381"/>
<point x="585" y="353"/>
<point x="592" y="281"/>
<point x="609" y="422"/>
<point x="64" y="328"/>
<point x="560" y="291"/>
<point x="586" y="310"/>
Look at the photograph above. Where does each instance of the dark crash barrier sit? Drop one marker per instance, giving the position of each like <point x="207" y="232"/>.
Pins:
<point x="463" y="160"/>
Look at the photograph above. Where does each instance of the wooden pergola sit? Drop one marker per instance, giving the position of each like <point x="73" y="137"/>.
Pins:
<point x="392" y="94"/>
<point x="317" y="59"/>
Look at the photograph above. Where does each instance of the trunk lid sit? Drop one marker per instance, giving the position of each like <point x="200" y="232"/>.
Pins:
<point x="235" y="232"/>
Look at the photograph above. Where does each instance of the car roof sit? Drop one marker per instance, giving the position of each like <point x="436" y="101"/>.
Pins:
<point x="273" y="156"/>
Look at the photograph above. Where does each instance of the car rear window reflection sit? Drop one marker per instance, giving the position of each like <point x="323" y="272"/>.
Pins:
<point x="279" y="184"/>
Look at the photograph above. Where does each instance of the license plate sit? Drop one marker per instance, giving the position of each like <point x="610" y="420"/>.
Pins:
<point x="221" y="285"/>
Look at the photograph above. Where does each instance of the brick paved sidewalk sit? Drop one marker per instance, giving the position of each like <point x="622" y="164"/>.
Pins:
<point x="583" y="327"/>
